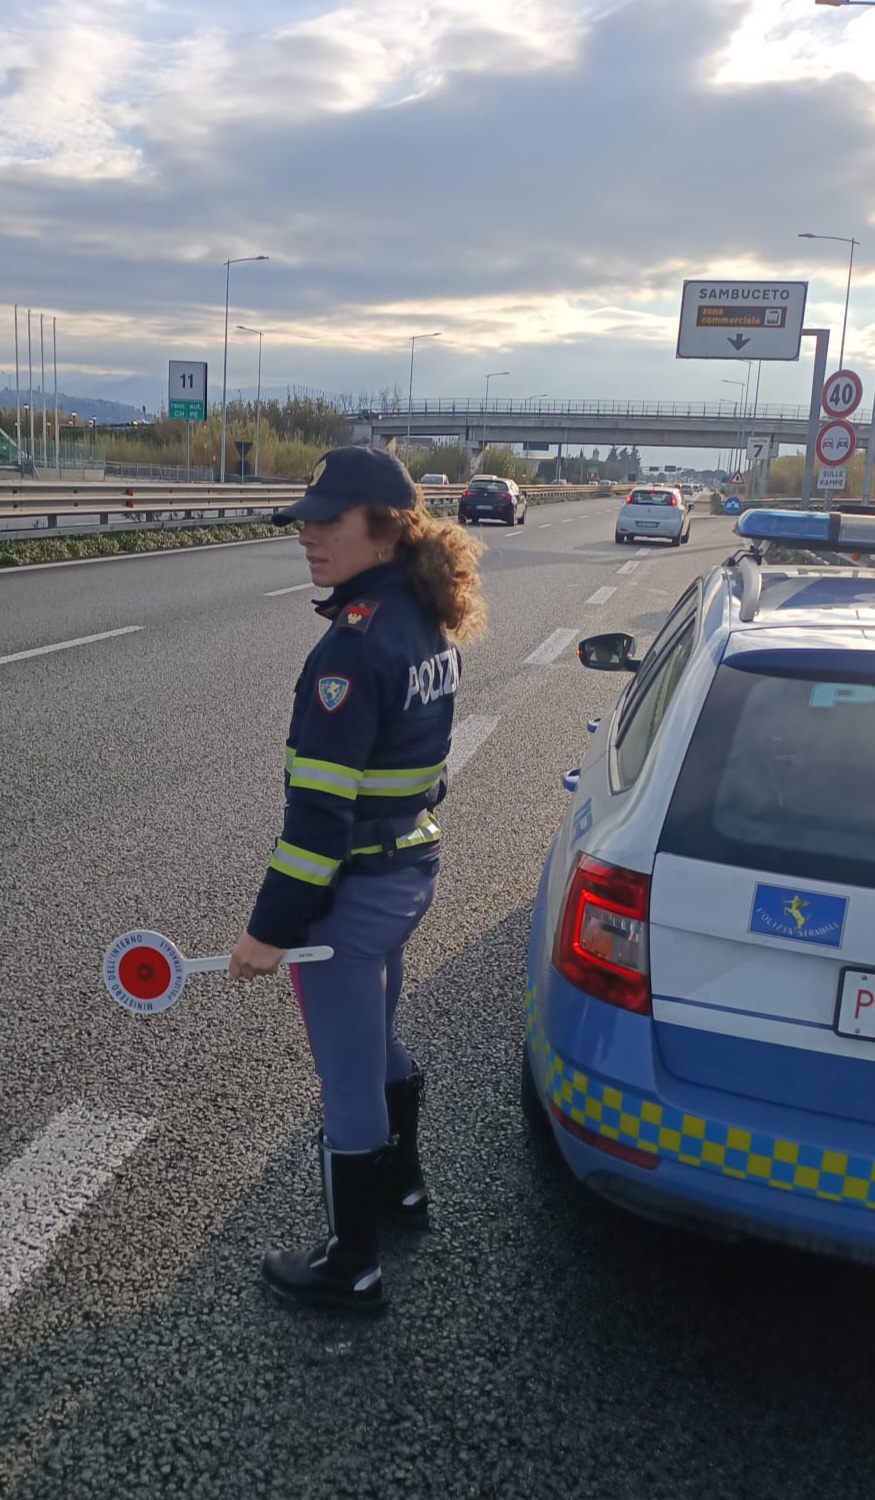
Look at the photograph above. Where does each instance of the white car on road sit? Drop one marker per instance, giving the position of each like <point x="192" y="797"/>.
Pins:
<point x="654" y="510"/>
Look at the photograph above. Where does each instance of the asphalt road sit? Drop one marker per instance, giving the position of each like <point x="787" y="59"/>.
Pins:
<point x="538" y="1342"/>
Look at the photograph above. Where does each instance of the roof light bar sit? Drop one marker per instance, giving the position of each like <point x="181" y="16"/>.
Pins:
<point x="785" y="525"/>
<point x="831" y="529"/>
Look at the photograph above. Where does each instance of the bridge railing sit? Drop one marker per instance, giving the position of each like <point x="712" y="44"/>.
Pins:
<point x="472" y="406"/>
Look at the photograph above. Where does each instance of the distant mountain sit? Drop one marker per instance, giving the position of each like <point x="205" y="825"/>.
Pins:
<point x="85" y="407"/>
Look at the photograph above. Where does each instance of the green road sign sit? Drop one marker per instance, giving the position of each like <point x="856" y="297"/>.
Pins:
<point x="187" y="390"/>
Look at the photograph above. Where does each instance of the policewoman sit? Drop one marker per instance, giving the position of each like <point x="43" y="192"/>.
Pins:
<point x="356" y="864"/>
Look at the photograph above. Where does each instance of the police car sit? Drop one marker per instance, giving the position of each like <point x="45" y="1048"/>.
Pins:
<point x="701" y="969"/>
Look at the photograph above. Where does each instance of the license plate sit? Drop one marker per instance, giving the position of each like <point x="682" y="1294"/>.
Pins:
<point x="855" y="1011"/>
<point x="648" y="525"/>
<point x="484" y="507"/>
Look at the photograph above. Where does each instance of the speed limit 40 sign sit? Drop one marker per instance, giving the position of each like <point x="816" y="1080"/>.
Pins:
<point x="842" y="393"/>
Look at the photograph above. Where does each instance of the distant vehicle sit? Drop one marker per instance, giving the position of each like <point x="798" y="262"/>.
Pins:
<point x="489" y="497"/>
<point x="687" y="491"/>
<point x="701" y="971"/>
<point x="441" y="479"/>
<point x="654" y="510"/>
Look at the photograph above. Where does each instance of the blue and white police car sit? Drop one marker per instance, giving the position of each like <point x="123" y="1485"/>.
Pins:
<point x="701" y="970"/>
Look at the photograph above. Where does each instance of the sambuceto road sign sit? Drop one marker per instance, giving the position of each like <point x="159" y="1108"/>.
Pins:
<point x="741" y="319"/>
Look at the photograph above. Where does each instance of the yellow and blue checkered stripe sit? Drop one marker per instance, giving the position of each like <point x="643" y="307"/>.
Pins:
<point x="713" y="1145"/>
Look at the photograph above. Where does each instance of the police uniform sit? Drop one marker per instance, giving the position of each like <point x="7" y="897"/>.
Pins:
<point x="356" y="868"/>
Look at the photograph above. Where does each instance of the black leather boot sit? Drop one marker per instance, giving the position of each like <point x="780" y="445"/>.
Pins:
<point x="343" y="1272"/>
<point x="405" y="1197"/>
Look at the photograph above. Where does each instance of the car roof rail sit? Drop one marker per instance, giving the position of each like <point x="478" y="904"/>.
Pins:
<point x="751" y="582"/>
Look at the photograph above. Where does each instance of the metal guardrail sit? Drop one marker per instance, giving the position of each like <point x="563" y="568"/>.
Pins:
<point x="30" y="511"/>
<point x="177" y="473"/>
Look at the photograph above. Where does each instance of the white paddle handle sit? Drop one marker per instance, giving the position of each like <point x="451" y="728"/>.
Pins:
<point x="221" y="961"/>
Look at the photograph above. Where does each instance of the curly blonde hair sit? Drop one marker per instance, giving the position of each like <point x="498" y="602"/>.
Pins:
<point x="441" y="561"/>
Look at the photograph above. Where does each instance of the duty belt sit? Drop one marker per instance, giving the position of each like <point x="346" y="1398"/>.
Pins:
<point x="385" y="835"/>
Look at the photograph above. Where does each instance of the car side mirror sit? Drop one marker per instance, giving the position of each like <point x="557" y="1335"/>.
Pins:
<point x="608" y="653"/>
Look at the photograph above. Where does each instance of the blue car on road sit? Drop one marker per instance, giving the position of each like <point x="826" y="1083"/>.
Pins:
<point x="701" y="971"/>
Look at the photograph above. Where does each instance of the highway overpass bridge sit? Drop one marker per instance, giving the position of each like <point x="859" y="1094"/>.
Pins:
<point x="647" y="424"/>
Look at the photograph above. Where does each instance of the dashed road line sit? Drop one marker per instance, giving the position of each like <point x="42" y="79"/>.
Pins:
<point x="628" y="567"/>
<point x="468" y="736"/>
<point x="551" y="647"/>
<point x="295" y="588"/>
<point x="544" y="525"/>
<point x="82" y="640"/>
<point x="44" y="1190"/>
<point x="601" y="596"/>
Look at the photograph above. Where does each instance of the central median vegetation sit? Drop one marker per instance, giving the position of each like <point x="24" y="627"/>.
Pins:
<point x="21" y="553"/>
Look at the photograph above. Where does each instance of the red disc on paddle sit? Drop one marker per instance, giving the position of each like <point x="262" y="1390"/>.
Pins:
<point x="145" y="973"/>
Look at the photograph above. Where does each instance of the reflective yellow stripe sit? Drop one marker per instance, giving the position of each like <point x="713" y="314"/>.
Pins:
<point x="401" y="782"/>
<point x="324" y="776"/>
<point x="303" y="864"/>
<point x="426" y="833"/>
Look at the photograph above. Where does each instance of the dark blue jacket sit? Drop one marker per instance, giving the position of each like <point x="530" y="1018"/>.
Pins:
<point x="366" y="753"/>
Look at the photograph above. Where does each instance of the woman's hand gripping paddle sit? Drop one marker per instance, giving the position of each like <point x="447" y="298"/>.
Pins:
<point x="146" y="973"/>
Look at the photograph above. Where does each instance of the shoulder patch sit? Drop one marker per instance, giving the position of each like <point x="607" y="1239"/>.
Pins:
<point x="358" y="616"/>
<point x="333" y="691"/>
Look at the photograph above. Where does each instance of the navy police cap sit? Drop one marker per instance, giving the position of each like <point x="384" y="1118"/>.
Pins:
<point x="351" y="476"/>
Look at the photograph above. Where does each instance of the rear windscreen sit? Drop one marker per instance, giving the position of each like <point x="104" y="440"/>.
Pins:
<point x="779" y="776"/>
<point x="491" y="486"/>
<point x="650" y="497"/>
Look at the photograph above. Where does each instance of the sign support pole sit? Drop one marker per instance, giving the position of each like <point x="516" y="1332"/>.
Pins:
<point x="870" y="460"/>
<point x="188" y="452"/>
<point x="821" y="335"/>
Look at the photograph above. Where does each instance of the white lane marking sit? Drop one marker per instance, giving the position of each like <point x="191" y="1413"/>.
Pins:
<point x="514" y="536"/>
<point x="43" y="1190"/>
<point x="543" y="525"/>
<point x="628" y="567"/>
<point x="83" y="562"/>
<point x="467" y="739"/>
<point x="601" y="596"/>
<point x="569" y="520"/>
<point x="82" y="640"/>
<point x="551" y="647"/>
<point x="643" y="552"/>
<point x="294" y="589"/>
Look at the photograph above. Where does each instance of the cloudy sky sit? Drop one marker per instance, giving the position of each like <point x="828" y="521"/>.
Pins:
<point x="534" y="178"/>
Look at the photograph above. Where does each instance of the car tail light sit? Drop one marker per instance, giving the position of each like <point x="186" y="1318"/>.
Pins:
<point x="465" y="495"/>
<point x="674" y="500"/>
<point x="601" y="938"/>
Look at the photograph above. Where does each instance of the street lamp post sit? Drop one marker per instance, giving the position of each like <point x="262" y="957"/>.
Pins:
<point x="740" y="384"/>
<point x="413" y="338"/>
<point x="493" y="375"/>
<point x="243" y="329"/>
<point x="840" y="239"/>
<point x="237" y="261"/>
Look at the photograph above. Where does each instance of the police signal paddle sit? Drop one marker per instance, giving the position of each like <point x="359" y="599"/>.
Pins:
<point x="145" y="973"/>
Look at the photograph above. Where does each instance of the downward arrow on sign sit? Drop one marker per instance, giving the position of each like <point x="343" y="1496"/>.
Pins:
<point x="738" y="342"/>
